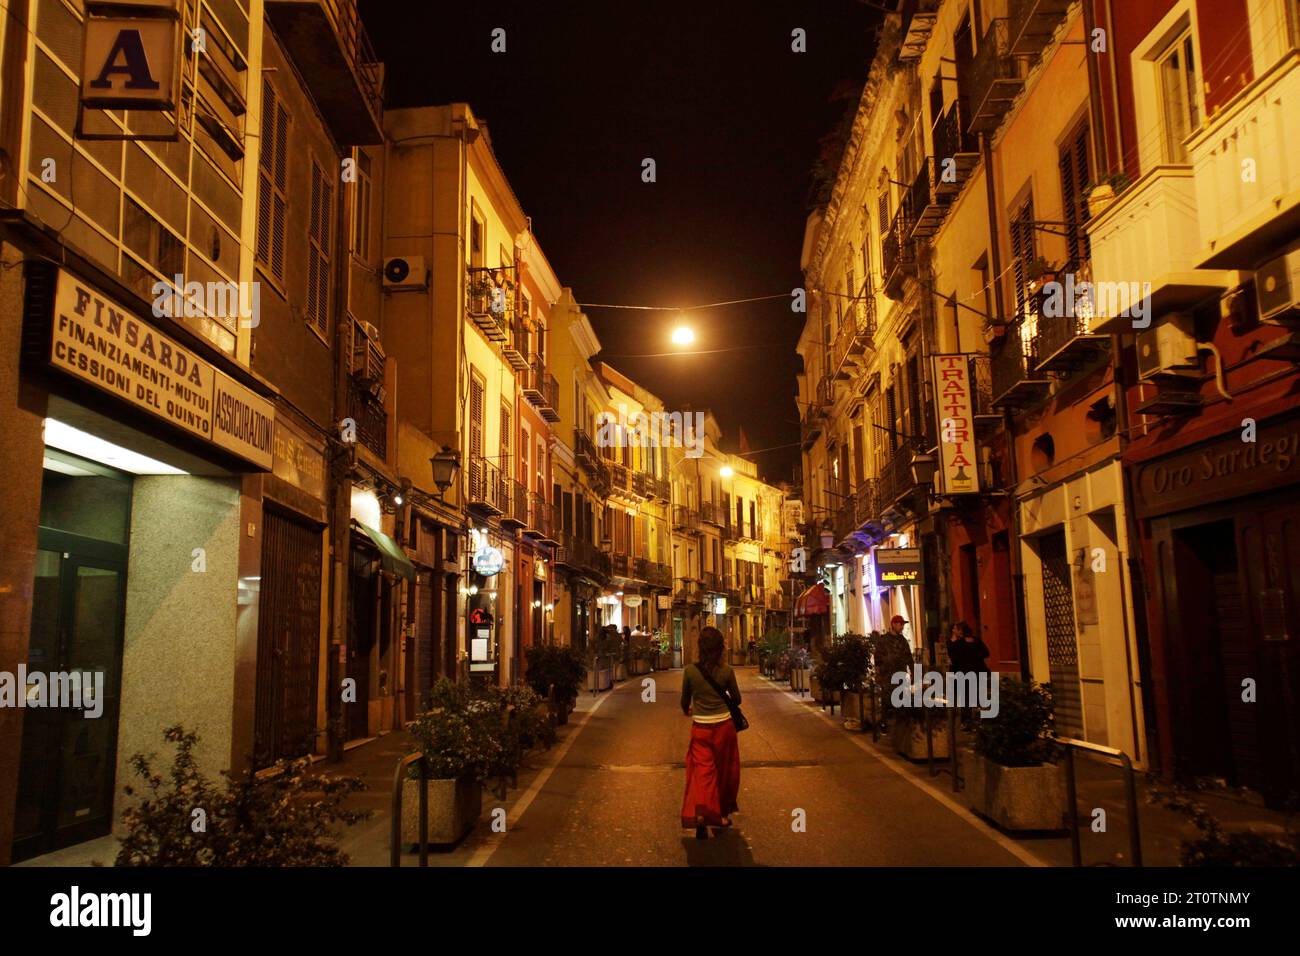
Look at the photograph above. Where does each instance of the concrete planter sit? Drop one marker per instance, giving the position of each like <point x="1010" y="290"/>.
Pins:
<point x="602" y="678"/>
<point x="854" y="710"/>
<point x="620" y="672"/>
<point x="814" y="687"/>
<point x="1017" y="798"/>
<point x="454" y="808"/>
<point x="908" y="737"/>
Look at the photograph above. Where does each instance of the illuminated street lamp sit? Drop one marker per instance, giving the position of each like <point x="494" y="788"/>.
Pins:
<point x="445" y="465"/>
<point x="683" y="335"/>
<point x="726" y="471"/>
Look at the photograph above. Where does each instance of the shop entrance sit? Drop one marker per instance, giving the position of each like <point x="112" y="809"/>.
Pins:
<point x="65" y="782"/>
<point x="363" y="626"/>
<point x="288" y="638"/>
<point x="1220" y="654"/>
<point x="1062" y="647"/>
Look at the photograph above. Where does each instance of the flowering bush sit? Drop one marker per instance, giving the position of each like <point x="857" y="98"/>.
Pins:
<point x="462" y="734"/>
<point x="284" y="818"/>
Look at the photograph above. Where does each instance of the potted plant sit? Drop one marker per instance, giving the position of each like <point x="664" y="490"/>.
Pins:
<point x="665" y="647"/>
<point x="462" y="738"/>
<point x="907" y="733"/>
<point x="609" y="648"/>
<point x="798" y="664"/>
<point x="642" y="649"/>
<point x="1015" y="778"/>
<point x="827" y="677"/>
<point x="1102" y="193"/>
<point x="854" y="655"/>
<point x="559" y="670"/>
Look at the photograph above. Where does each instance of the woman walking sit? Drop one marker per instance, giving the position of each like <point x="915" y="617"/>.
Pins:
<point x="713" y="758"/>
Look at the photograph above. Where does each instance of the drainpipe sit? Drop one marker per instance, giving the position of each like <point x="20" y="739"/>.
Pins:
<point x="1114" y="89"/>
<point x="995" y="270"/>
<point x="1101" y="150"/>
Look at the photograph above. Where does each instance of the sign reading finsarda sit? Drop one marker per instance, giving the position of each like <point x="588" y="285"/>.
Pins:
<point x="1221" y="469"/>
<point x="99" y="341"/>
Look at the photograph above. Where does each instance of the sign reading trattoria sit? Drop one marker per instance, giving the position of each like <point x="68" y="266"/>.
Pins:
<point x="99" y="341"/>
<point x="953" y="407"/>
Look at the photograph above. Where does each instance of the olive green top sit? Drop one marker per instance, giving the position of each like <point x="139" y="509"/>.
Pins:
<point x="706" y="706"/>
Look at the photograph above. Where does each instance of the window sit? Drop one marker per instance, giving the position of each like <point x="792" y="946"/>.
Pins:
<point x="477" y="389"/>
<point x="1179" y="107"/>
<point x="273" y="183"/>
<point x="318" y="249"/>
<point x="1022" y="252"/>
<point x="505" y="438"/>
<point x="361" y="208"/>
<point x="541" y="469"/>
<point x="477" y="238"/>
<point x="1075" y="176"/>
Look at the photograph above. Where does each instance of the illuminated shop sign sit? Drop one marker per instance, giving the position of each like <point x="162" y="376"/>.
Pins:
<point x="896" y="567"/>
<point x="957" y="454"/>
<point x="488" y="561"/>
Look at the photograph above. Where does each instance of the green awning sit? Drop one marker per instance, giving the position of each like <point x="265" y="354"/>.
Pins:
<point x="391" y="557"/>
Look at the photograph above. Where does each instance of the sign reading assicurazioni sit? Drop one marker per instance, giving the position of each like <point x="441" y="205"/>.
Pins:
<point x="100" y="342"/>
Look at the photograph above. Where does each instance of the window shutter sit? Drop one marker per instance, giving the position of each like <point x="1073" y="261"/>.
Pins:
<point x="476" y="418"/>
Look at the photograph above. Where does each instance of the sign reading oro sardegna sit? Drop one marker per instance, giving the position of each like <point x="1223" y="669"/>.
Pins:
<point x="100" y="342"/>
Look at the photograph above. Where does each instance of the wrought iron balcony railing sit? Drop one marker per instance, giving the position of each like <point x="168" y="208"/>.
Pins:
<point x="685" y="519"/>
<point x="366" y="408"/>
<point x="898" y="251"/>
<point x="515" y="507"/>
<point x="995" y="80"/>
<point x="1033" y="23"/>
<point x="954" y="143"/>
<point x="1015" y="381"/>
<point x="485" y="488"/>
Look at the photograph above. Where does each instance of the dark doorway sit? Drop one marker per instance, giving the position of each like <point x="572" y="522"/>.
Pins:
<point x="1062" y="647"/>
<point x="288" y="638"/>
<point x="69" y="758"/>
<point x="363" y="621"/>
<point x="1220" y="737"/>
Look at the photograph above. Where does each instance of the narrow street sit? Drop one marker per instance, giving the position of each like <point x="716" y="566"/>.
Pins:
<point x="614" y="797"/>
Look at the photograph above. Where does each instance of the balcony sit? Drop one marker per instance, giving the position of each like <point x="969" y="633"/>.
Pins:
<point x="330" y="47"/>
<point x="621" y="484"/>
<point x="712" y="582"/>
<point x="855" y="336"/>
<point x="489" y="300"/>
<point x="485" y="488"/>
<point x="686" y="519"/>
<point x="600" y="479"/>
<point x="898" y="252"/>
<point x="1015" y="381"/>
<point x="688" y="592"/>
<point x="1244" y="223"/>
<point x="953" y="141"/>
<point x="866" y="502"/>
<point x="660" y="489"/>
<point x="1150" y="233"/>
<point x="366" y="408"/>
<point x="539" y="523"/>
<point x="995" y="80"/>
<point x="640" y="484"/>
<point x="919" y="17"/>
<point x="515" y="347"/>
<point x="895" y="480"/>
<point x="729" y="533"/>
<point x="584" y="449"/>
<point x="731" y="589"/>
<point x="515" y="507"/>
<point x="1065" y="341"/>
<point x="928" y="205"/>
<point x="541" y="390"/>
<point x="641" y="569"/>
<point x="814" y="416"/>
<point x="620" y="565"/>
<point x="845" y="521"/>
<point x="1034" y="23"/>
<point x="987" y="418"/>
<point x="712" y="513"/>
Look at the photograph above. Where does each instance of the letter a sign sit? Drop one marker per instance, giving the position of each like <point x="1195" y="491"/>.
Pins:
<point x="130" y="63"/>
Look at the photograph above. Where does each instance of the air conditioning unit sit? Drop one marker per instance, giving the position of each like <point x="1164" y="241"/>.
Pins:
<point x="405" y="272"/>
<point x="1277" y="288"/>
<point x="1168" y="349"/>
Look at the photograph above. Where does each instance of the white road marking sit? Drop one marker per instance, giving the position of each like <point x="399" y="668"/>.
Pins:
<point x="484" y="853"/>
<point x="1025" y="856"/>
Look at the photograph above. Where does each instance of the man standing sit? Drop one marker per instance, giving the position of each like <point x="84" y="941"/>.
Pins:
<point x="892" y="653"/>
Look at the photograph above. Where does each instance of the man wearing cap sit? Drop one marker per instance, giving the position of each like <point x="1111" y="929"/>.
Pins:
<point x="893" y="653"/>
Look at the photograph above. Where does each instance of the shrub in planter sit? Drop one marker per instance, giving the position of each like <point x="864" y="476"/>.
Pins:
<point x="465" y="739"/>
<point x="287" y="818"/>
<point x="1014" y="778"/>
<point x="1217" y="846"/>
<point x="558" y="666"/>
<point x="907" y="734"/>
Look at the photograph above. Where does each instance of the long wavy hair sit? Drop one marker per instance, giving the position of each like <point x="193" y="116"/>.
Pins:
<point x="711" y="648"/>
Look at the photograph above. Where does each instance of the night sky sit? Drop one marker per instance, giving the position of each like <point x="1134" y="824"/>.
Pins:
<point x="733" y="119"/>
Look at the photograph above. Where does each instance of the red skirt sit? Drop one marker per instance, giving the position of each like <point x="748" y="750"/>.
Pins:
<point x="712" y="773"/>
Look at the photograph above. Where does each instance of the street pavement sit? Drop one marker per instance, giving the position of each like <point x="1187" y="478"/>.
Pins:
<point x="613" y="796"/>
